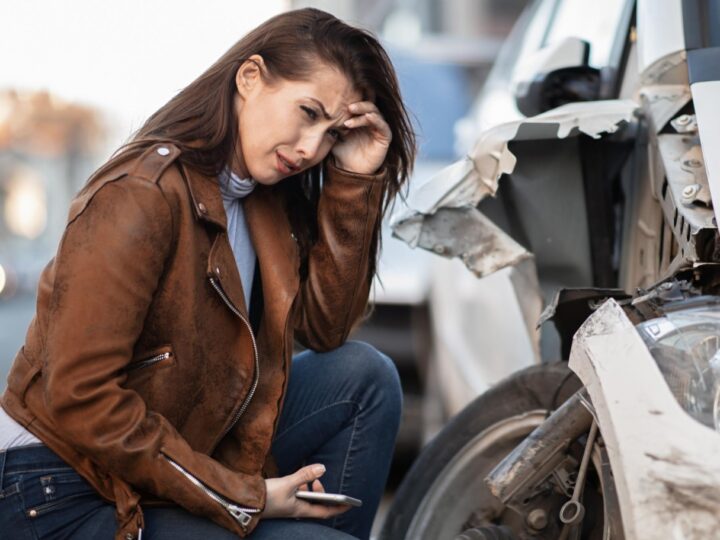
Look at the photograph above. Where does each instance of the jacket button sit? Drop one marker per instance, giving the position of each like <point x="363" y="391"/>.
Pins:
<point x="129" y="536"/>
<point x="33" y="513"/>
<point x="202" y="208"/>
<point x="163" y="150"/>
<point x="217" y="271"/>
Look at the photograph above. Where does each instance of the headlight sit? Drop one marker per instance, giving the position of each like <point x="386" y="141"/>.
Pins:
<point x="686" y="346"/>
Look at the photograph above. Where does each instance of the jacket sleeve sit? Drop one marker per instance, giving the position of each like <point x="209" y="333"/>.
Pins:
<point x="334" y="295"/>
<point x="109" y="264"/>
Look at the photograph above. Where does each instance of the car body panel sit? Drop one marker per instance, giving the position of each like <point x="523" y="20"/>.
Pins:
<point x="664" y="463"/>
<point x="707" y="110"/>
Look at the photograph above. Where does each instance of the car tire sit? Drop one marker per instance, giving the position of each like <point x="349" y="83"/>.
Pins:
<point x="528" y="396"/>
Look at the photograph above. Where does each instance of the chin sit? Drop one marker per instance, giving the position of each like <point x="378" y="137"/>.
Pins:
<point x="269" y="179"/>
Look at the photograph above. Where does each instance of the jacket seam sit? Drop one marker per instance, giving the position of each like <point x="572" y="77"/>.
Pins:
<point x="345" y="463"/>
<point x="172" y="216"/>
<point x="109" y="182"/>
<point x="326" y="407"/>
<point x="91" y="197"/>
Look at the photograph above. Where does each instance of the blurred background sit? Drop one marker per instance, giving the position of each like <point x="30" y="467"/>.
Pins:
<point x="76" y="78"/>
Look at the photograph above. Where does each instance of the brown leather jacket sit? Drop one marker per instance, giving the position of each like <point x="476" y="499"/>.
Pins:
<point x="140" y="368"/>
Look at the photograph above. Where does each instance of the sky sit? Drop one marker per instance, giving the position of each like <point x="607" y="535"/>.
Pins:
<point x="126" y="58"/>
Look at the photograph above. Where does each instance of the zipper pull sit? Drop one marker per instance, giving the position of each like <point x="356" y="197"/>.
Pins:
<point x="240" y="516"/>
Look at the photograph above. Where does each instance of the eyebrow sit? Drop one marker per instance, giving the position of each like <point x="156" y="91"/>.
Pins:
<point x="322" y="107"/>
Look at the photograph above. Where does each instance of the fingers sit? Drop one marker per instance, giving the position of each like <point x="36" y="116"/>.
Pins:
<point x="367" y="114"/>
<point x="307" y="474"/>
<point x="322" y="511"/>
<point x="317" y="486"/>
<point x="362" y="107"/>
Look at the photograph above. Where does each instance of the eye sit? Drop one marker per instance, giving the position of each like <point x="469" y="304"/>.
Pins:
<point x="311" y="113"/>
<point x="335" y="134"/>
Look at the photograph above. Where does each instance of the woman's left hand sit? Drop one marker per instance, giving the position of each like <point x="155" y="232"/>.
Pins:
<point x="364" y="147"/>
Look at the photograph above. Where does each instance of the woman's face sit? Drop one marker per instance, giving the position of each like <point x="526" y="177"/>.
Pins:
<point x="284" y="126"/>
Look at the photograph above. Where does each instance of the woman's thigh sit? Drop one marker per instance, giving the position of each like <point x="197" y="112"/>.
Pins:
<point x="81" y="518"/>
<point x="175" y="523"/>
<point x="178" y="524"/>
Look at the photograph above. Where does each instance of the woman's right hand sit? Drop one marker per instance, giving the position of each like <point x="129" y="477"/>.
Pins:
<point x="281" y="502"/>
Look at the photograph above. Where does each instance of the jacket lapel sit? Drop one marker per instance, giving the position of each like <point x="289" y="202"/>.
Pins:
<point x="270" y="232"/>
<point x="206" y="198"/>
<point x="221" y="266"/>
<point x="277" y="251"/>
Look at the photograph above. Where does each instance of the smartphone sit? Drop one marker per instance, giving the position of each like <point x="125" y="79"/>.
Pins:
<point x="332" y="499"/>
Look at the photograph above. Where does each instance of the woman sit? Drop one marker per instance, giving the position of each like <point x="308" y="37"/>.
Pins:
<point x="244" y="213"/>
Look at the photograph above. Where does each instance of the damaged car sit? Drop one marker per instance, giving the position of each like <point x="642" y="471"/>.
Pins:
<point x="598" y="200"/>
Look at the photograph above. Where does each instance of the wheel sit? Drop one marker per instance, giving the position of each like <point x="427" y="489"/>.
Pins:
<point x="444" y="495"/>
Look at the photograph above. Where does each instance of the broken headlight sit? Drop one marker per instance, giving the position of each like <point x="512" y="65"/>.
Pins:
<point x="686" y="346"/>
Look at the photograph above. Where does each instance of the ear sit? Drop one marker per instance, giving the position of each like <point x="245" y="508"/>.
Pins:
<point x="249" y="75"/>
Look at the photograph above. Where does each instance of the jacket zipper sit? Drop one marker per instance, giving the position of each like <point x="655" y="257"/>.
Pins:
<point x="256" y="379"/>
<point x="241" y="514"/>
<point x="149" y="361"/>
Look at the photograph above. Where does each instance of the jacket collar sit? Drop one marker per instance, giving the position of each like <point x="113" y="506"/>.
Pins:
<point x="206" y="197"/>
<point x="276" y="249"/>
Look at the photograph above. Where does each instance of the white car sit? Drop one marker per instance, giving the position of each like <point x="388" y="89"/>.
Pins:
<point x="599" y="199"/>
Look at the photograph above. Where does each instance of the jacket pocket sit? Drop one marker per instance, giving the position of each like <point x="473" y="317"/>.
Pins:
<point x="156" y="358"/>
<point x="56" y="499"/>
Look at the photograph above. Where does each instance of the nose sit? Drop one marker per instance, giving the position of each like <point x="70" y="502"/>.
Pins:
<point x="308" y="146"/>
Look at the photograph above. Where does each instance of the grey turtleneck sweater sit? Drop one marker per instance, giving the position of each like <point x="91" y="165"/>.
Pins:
<point x="233" y="190"/>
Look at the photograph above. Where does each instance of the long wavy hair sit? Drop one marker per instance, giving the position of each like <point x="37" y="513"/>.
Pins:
<point x="201" y="118"/>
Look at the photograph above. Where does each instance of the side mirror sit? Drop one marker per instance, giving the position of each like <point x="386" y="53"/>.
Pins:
<point x="555" y="75"/>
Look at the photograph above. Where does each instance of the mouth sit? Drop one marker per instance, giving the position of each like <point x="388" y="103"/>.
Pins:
<point x="285" y="166"/>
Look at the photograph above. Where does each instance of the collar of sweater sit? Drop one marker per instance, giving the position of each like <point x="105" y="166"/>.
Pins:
<point x="233" y="187"/>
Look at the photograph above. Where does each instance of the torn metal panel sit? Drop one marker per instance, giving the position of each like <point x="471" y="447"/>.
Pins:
<point x="665" y="491"/>
<point x="662" y="102"/>
<point x="670" y="69"/>
<point x="468" y="181"/>
<point x="467" y="234"/>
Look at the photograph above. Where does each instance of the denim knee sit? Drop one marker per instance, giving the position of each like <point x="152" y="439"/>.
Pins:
<point x="375" y="370"/>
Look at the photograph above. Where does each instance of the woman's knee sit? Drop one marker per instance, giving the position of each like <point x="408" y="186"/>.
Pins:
<point x="375" y="370"/>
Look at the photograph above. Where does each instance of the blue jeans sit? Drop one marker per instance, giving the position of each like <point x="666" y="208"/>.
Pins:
<point x="342" y="409"/>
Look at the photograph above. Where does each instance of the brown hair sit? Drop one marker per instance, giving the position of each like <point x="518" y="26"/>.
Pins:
<point x="200" y="119"/>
